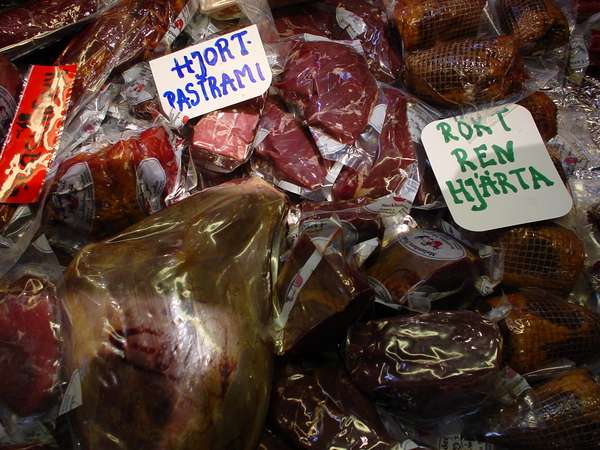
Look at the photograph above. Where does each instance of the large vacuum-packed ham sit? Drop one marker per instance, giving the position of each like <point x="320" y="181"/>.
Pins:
<point x="422" y="24"/>
<point x="542" y="328"/>
<point x="167" y="325"/>
<point x="97" y="194"/>
<point x="331" y="85"/>
<point x="29" y="346"/>
<point x="409" y="361"/>
<point x="465" y="72"/>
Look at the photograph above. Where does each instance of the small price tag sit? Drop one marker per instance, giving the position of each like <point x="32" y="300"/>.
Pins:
<point x="212" y="75"/>
<point x="494" y="169"/>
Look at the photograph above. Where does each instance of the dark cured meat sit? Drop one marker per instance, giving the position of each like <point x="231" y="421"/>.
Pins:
<point x="423" y="23"/>
<point x="562" y="414"/>
<point x="101" y="193"/>
<point x="29" y="346"/>
<point x="289" y="148"/>
<point x="312" y="18"/>
<point x="331" y="85"/>
<point x="37" y="17"/>
<point x="429" y="365"/>
<point x="396" y="154"/>
<point x="172" y="355"/>
<point x="544" y="112"/>
<point x="322" y="410"/>
<point x="10" y="84"/>
<point x="465" y="72"/>
<point x="542" y="328"/>
<point x="127" y="32"/>
<point x="546" y="256"/>
<point x="270" y="442"/>
<point x="537" y="24"/>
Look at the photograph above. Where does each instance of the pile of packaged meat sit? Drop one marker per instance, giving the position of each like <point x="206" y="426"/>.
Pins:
<point x="283" y="273"/>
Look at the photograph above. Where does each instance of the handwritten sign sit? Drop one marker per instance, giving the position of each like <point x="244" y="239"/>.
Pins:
<point x="494" y="169"/>
<point x="212" y="75"/>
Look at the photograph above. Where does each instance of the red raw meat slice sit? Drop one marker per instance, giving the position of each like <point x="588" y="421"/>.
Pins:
<point x="396" y="154"/>
<point x="331" y="85"/>
<point x="290" y="148"/>
<point x="222" y="139"/>
<point x="313" y="18"/>
<point x="29" y="347"/>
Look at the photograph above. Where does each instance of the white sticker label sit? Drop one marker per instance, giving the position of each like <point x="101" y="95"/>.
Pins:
<point x="74" y="197"/>
<point x="349" y="21"/>
<point x="494" y="169"/>
<point x="377" y="117"/>
<point x="72" y="398"/>
<point x="151" y="181"/>
<point x="432" y="245"/>
<point x="212" y="75"/>
<point x="456" y="442"/>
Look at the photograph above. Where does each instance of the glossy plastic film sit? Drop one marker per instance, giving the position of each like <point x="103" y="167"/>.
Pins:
<point x="172" y="354"/>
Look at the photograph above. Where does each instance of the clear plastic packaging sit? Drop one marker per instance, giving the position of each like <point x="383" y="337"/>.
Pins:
<point x="426" y="366"/>
<point x="10" y="85"/>
<point x="173" y="354"/>
<point x="541" y="328"/>
<point x="543" y="255"/>
<point x="101" y="191"/>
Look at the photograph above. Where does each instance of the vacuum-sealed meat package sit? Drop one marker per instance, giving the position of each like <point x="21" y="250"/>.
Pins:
<point x="286" y="153"/>
<point x="424" y="23"/>
<point x="171" y="353"/>
<point x="541" y="328"/>
<point x="331" y="86"/>
<point x="547" y="256"/>
<point x="316" y="18"/>
<point x="544" y="112"/>
<point x="320" y="292"/>
<point x="561" y="414"/>
<point x="428" y="365"/>
<point x="98" y="193"/>
<point x="396" y="160"/>
<point x="321" y="410"/>
<point x="420" y="267"/>
<point x="270" y="442"/>
<point x="367" y="21"/>
<point x="130" y="30"/>
<point x="222" y="140"/>
<point x="465" y="72"/>
<point x="33" y="23"/>
<point x="536" y="24"/>
<point x="30" y="359"/>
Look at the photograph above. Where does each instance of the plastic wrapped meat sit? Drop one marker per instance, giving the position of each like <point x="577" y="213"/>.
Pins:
<point x="331" y="85"/>
<point x="541" y="328"/>
<point x="423" y="23"/>
<point x="367" y="21"/>
<point x="547" y="256"/>
<point x="419" y="267"/>
<point x="534" y="23"/>
<point x="128" y="31"/>
<point x="465" y="72"/>
<point x="36" y="19"/>
<point x="429" y="365"/>
<point x="544" y="112"/>
<point x="29" y="346"/>
<point x="561" y="414"/>
<point x="97" y="194"/>
<point x="322" y="410"/>
<point x="313" y="18"/>
<point x="319" y="294"/>
<point x="10" y="83"/>
<point x="173" y="355"/>
<point x="222" y="139"/>
<point x="396" y="155"/>
<point x="289" y="148"/>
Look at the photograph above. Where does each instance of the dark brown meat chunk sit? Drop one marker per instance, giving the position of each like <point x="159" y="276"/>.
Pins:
<point x="544" y="112"/>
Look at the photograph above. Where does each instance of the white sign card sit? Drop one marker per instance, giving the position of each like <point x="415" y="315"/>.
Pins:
<point x="494" y="169"/>
<point x="212" y="75"/>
